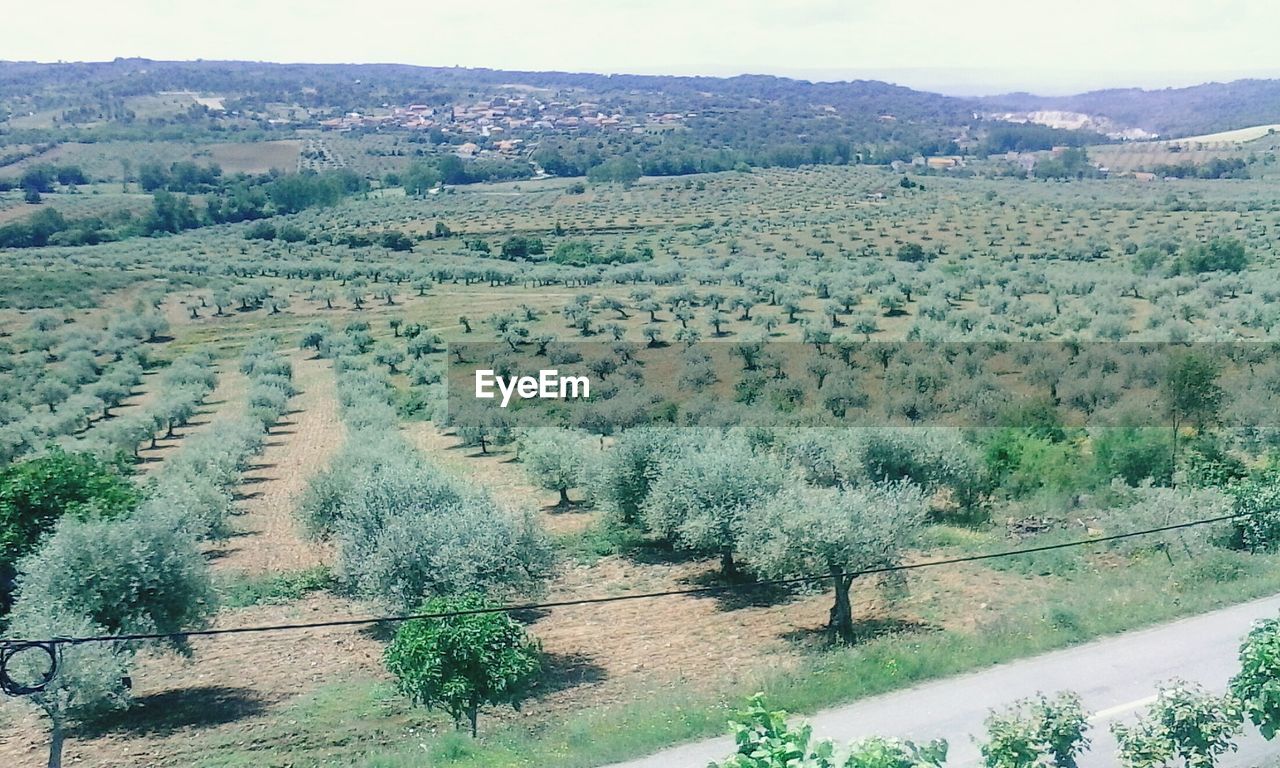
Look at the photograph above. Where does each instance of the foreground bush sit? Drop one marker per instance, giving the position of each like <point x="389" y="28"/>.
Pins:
<point x="1037" y="732"/>
<point x="462" y="663"/>
<point x="1186" y="724"/>
<point x="1257" y="684"/>
<point x="765" y="740"/>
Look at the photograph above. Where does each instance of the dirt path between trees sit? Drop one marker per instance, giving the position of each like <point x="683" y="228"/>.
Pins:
<point x="268" y="538"/>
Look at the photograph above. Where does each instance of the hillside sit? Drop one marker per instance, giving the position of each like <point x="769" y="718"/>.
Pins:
<point x="1169" y="112"/>
<point x="689" y="123"/>
<point x="670" y="125"/>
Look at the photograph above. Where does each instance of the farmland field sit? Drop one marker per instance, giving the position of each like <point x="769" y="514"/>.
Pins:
<point x="236" y="461"/>
<point x="1006" y="263"/>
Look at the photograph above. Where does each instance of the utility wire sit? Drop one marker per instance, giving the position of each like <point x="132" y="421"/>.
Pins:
<point x="374" y="620"/>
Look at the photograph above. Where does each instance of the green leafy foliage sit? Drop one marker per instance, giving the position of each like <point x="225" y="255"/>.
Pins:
<point x="273" y="589"/>
<point x="879" y="752"/>
<point x="406" y="529"/>
<point x="617" y="170"/>
<point x="1218" y="255"/>
<point x="1022" y="462"/>
<point x="462" y="663"/>
<point x="1037" y="732"/>
<point x="764" y="739"/>
<point x="36" y="493"/>
<point x="619" y="483"/>
<point x="1134" y="454"/>
<point x="1185" y="723"/>
<point x="1257" y="684"/>
<point x="1258" y="499"/>
<point x="91" y="677"/>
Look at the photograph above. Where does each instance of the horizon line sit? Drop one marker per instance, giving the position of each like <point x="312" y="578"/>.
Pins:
<point x="950" y="81"/>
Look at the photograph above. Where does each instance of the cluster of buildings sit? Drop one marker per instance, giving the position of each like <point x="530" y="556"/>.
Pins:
<point x="503" y="124"/>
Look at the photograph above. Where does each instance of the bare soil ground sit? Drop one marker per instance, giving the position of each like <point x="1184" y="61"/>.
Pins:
<point x="231" y="687"/>
<point x="268" y="538"/>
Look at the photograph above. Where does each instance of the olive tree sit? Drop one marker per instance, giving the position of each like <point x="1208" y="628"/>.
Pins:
<point x="90" y="681"/>
<point x="619" y="482"/>
<point x="706" y="491"/>
<point x="554" y="460"/>
<point x="406" y="530"/>
<point x="803" y="531"/>
<point x="142" y="573"/>
<point x="138" y="574"/>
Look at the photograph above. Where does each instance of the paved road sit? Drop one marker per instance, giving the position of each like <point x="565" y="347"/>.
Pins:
<point x="1115" y="676"/>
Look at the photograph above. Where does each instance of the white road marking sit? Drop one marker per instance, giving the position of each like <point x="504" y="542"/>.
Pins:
<point x="1120" y="709"/>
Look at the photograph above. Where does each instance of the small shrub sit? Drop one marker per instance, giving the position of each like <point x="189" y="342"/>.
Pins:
<point x="461" y="663"/>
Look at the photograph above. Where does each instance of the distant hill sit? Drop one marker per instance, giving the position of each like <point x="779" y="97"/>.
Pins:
<point x="670" y="125"/>
<point x="1169" y="112"/>
<point x="711" y="123"/>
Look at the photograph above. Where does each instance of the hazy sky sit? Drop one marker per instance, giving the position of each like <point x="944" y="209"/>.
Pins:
<point x="965" y="46"/>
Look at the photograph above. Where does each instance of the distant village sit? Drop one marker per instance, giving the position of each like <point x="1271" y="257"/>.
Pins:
<point x="510" y="126"/>
<point x="504" y="123"/>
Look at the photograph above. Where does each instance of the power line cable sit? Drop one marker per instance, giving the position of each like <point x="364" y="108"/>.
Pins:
<point x="791" y="581"/>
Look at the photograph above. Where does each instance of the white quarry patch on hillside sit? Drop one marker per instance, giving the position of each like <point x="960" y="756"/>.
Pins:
<point x="1074" y="121"/>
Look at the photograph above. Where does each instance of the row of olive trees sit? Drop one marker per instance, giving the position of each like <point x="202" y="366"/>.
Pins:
<point x="1185" y="725"/>
<point x="63" y="377"/>
<point x="411" y="343"/>
<point x="141" y="571"/>
<point x="771" y="504"/>
<point x="270" y="378"/>
<point x="406" y="530"/>
<point x="184" y="386"/>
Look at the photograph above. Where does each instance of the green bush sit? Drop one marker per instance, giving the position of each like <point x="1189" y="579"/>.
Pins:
<point x="36" y="493"/>
<point x="461" y="663"/>
<point x="764" y="739"/>
<point x="1257" y="684"/>
<point x="1186" y="724"/>
<point x="1023" y="462"/>
<point x="1037" y="732"/>
<point x="1258" y="499"/>
<point x="1218" y="255"/>
<point x="1134" y="454"/>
